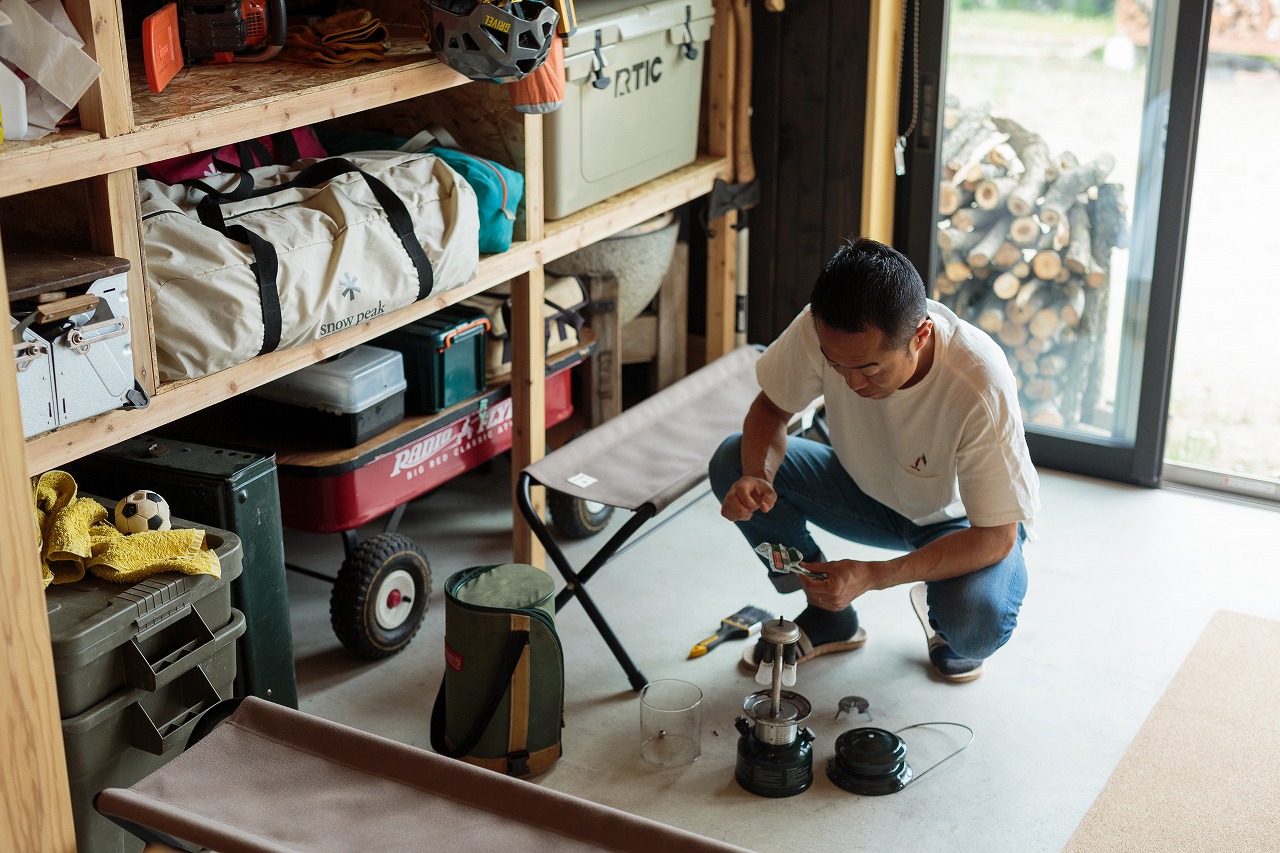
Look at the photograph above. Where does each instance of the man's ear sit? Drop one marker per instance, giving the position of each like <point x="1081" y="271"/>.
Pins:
<point x="922" y="335"/>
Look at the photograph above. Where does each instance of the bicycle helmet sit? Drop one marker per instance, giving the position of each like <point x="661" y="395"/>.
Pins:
<point x="500" y="41"/>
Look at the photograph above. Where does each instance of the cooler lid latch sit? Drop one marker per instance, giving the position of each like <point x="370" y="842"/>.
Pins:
<point x="598" y="63"/>
<point x="690" y="52"/>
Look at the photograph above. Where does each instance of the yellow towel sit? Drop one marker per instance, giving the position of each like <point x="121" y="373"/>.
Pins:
<point x="75" y="535"/>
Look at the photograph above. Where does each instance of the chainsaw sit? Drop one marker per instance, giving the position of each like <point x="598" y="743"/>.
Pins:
<point x="210" y="31"/>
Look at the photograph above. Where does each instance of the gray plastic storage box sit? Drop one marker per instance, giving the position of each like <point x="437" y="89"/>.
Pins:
<point x="633" y="87"/>
<point x="347" y="399"/>
<point x="107" y="636"/>
<point x="136" y="664"/>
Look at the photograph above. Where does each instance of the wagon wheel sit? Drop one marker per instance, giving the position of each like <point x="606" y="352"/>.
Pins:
<point x="577" y="518"/>
<point x="380" y="595"/>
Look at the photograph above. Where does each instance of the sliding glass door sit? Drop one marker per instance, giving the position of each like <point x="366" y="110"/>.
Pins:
<point x="1045" y="200"/>
<point x="1224" y="409"/>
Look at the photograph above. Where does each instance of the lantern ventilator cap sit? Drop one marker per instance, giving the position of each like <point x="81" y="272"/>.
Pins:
<point x="872" y="761"/>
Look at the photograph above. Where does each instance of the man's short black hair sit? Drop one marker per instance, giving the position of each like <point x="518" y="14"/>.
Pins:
<point x="868" y="285"/>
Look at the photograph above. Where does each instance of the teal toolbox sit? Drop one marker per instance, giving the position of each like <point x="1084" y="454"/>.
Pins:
<point x="444" y="357"/>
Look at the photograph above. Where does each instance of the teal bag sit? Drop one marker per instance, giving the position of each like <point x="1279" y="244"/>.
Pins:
<point x="499" y="189"/>
<point x="501" y="700"/>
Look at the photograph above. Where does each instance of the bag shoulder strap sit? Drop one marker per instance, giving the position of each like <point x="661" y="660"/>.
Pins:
<point x="517" y="643"/>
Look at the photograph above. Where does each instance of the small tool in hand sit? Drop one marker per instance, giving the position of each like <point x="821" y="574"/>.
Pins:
<point x="739" y="626"/>
<point x="783" y="558"/>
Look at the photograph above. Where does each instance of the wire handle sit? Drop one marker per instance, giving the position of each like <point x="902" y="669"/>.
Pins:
<point x="939" y="763"/>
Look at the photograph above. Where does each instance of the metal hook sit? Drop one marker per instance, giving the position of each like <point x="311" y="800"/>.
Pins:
<point x="690" y="52"/>
<point x="598" y="64"/>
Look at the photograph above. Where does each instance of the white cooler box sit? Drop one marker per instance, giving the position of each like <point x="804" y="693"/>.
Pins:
<point x="633" y="86"/>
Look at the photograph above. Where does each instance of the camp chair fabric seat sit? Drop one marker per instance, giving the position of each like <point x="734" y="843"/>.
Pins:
<point x="274" y="780"/>
<point x="642" y="460"/>
<point x="655" y="451"/>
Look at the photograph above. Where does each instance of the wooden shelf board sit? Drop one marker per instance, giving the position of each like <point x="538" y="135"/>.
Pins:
<point x="206" y="107"/>
<point x="632" y="207"/>
<point x="178" y="399"/>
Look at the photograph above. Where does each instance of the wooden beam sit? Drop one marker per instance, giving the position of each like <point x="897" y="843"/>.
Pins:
<point x="529" y="405"/>
<point x="882" y="119"/>
<point x="35" y="813"/>
<point x="114" y="224"/>
<point x="722" y="245"/>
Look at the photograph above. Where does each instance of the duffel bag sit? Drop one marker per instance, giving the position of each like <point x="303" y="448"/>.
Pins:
<point x="501" y="701"/>
<point x="242" y="264"/>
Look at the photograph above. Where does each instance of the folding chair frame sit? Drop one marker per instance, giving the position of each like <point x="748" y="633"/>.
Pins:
<point x="575" y="580"/>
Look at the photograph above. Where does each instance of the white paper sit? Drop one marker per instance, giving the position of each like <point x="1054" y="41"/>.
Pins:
<point x="60" y="71"/>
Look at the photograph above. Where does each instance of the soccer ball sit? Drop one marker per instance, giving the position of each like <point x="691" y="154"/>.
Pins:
<point x="142" y="511"/>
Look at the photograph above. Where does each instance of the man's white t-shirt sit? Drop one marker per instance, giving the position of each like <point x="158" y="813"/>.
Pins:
<point x="950" y="446"/>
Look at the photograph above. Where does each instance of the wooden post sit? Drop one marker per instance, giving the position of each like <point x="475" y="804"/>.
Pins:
<point x="722" y="245"/>
<point x="36" y="810"/>
<point x="885" y="34"/>
<point x="605" y="385"/>
<point x="673" y="313"/>
<point x="529" y="356"/>
<point x="528" y="404"/>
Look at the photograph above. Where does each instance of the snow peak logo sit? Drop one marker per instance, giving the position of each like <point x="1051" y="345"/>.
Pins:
<point x="354" y="320"/>
<point x="920" y="464"/>
<point x="637" y="77"/>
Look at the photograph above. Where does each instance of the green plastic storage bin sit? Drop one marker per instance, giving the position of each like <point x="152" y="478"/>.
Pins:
<point x="109" y="636"/>
<point x="135" y="666"/>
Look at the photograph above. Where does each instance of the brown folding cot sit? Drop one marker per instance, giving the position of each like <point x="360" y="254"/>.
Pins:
<point x="270" y="779"/>
<point x="643" y="460"/>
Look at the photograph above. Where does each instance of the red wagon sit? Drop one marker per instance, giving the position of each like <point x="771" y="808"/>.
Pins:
<point x="380" y="593"/>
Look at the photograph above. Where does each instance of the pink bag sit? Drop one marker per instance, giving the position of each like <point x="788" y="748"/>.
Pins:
<point x="278" y="149"/>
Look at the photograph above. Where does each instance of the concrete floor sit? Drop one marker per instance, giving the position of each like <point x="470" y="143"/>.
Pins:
<point x="1123" y="580"/>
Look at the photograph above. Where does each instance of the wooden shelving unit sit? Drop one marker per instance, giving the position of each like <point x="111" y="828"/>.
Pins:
<point x="123" y="126"/>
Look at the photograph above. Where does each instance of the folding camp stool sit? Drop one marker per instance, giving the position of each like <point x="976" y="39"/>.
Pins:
<point x="642" y="460"/>
<point x="274" y="780"/>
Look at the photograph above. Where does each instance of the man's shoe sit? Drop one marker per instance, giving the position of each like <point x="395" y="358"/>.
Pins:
<point x="949" y="665"/>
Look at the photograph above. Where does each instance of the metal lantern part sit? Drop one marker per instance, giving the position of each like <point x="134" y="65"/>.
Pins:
<point x="870" y="761"/>
<point x="775" y="755"/>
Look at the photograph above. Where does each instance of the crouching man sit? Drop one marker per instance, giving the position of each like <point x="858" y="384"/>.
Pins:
<point x="927" y="456"/>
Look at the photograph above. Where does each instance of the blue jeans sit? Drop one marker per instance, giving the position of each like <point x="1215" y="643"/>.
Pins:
<point x="975" y="613"/>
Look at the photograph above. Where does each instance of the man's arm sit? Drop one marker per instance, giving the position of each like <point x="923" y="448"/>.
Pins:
<point x="764" y="444"/>
<point x="948" y="556"/>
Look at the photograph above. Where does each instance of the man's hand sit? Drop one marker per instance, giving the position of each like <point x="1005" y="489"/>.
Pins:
<point x="846" y="580"/>
<point x="746" y="496"/>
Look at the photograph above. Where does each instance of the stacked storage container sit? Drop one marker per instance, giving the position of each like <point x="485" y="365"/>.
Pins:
<point x="136" y="665"/>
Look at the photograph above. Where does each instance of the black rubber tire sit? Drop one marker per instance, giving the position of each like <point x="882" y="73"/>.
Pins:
<point x="379" y="572"/>
<point x="575" y="518"/>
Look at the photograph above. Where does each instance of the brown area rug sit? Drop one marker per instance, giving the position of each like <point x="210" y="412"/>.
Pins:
<point x="1203" y="773"/>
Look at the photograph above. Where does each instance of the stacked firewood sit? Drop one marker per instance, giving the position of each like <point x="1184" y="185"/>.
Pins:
<point x="1025" y="240"/>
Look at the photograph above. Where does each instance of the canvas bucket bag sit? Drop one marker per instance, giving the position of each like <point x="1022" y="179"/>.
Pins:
<point x="501" y="701"/>
<point x="242" y="264"/>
